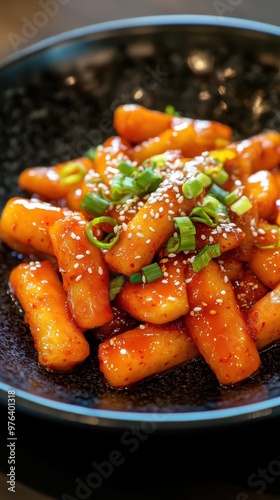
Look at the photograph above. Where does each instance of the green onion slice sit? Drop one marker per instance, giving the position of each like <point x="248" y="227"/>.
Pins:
<point x="204" y="179"/>
<point x="205" y="255"/>
<point x="241" y="206"/>
<point x="94" y="203"/>
<point x="186" y="239"/>
<point x="211" y="202"/>
<point x="136" y="278"/>
<point x="192" y="189"/>
<point x="116" y="285"/>
<point x="173" y="244"/>
<point x="105" y="244"/>
<point x="218" y="192"/>
<point x="127" y="168"/>
<point x="72" y="173"/>
<point x="220" y="177"/>
<point x="206" y="215"/>
<point x="91" y="153"/>
<point x="171" y="110"/>
<point x="152" y="272"/>
<point x="231" y="197"/>
<point x="155" y="161"/>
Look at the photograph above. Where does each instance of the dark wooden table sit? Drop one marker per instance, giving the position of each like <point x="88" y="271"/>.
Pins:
<point x="24" y="22"/>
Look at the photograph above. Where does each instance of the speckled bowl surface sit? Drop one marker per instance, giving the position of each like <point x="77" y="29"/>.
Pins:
<point x="57" y="100"/>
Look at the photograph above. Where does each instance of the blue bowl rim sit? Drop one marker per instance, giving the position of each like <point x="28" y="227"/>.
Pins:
<point x="123" y="24"/>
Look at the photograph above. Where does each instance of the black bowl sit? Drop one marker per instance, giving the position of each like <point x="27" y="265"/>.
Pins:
<point x="57" y="100"/>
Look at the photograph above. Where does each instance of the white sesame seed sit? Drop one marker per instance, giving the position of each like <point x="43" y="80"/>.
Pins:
<point x="78" y="278"/>
<point x="89" y="270"/>
<point x="80" y="256"/>
<point x="100" y="270"/>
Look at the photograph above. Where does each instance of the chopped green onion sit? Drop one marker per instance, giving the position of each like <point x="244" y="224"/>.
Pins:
<point x="214" y="204"/>
<point x="116" y="285"/>
<point x="241" y="206"/>
<point x="136" y="278"/>
<point x="72" y="172"/>
<point x="116" y="187"/>
<point x="186" y="239"/>
<point x="126" y="168"/>
<point x="145" y="179"/>
<point x="218" y="192"/>
<point x="205" y="255"/>
<point x="204" y="179"/>
<point x="156" y="161"/>
<point x="94" y="203"/>
<point x="91" y="153"/>
<point x="152" y="272"/>
<point x="220" y="177"/>
<point x="173" y="244"/>
<point x="129" y="185"/>
<point x="170" y="110"/>
<point x="231" y="197"/>
<point x="139" y="182"/>
<point x="206" y="215"/>
<point x="105" y="245"/>
<point x="192" y="189"/>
